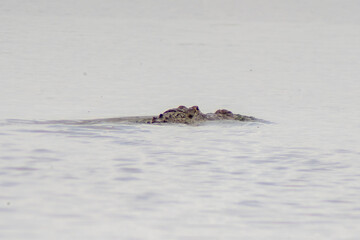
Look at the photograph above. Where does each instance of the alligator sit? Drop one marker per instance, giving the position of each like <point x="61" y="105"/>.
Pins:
<point x="193" y="115"/>
<point x="181" y="115"/>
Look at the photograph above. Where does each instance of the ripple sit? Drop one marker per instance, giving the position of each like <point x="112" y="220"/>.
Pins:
<point x="22" y="169"/>
<point x="131" y="170"/>
<point x="126" y="179"/>
<point x="6" y="209"/>
<point x="42" y="150"/>
<point x="267" y="183"/>
<point x="45" y="159"/>
<point x="250" y="203"/>
<point x="9" y="184"/>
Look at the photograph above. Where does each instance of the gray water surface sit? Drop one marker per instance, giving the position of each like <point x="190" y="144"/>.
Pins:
<point x="217" y="180"/>
<point x="295" y="64"/>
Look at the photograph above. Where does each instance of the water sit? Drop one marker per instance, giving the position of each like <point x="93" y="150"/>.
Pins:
<point x="296" y="178"/>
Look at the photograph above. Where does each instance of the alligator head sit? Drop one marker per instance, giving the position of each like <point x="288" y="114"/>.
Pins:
<point x="180" y="114"/>
<point x="193" y="115"/>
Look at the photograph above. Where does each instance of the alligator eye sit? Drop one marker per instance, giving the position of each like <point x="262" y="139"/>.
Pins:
<point x="160" y="116"/>
<point x="191" y="116"/>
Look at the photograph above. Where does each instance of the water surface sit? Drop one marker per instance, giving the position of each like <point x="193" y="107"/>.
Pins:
<point x="296" y="178"/>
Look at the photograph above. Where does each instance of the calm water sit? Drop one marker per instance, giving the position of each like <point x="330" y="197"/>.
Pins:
<point x="296" y="178"/>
